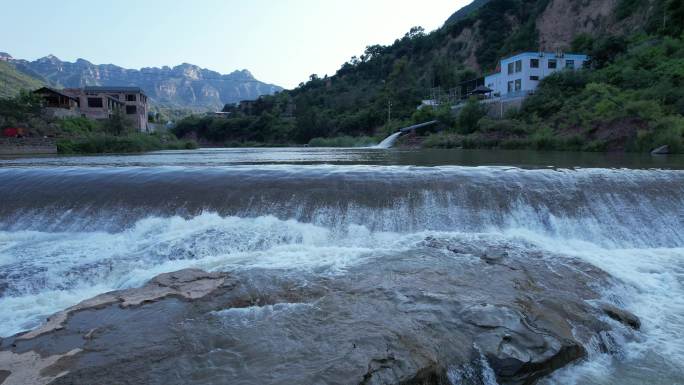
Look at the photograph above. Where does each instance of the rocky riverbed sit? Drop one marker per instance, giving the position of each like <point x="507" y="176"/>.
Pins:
<point x="447" y="312"/>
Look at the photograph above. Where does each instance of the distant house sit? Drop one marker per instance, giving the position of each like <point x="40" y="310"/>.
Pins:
<point x="98" y="103"/>
<point x="520" y="74"/>
<point x="58" y="103"/>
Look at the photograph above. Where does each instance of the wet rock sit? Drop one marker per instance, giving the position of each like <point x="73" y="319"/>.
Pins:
<point x="623" y="316"/>
<point x="187" y="283"/>
<point x="31" y="368"/>
<point x="516" y="350"/>
<point x="411" y="318"/>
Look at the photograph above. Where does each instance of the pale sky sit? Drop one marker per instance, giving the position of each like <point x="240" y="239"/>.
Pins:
<point x="279" y="41"/>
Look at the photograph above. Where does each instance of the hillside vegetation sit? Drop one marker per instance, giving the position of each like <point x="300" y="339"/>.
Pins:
<point x="12" y="80"/>
<point x="356" y="99"/>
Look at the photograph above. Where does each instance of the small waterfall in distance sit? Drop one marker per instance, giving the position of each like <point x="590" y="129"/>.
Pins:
<point x="388" y="141"/>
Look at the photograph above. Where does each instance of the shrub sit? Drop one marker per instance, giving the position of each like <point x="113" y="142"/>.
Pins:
<point x="132" y="143"/>
<point x="469" y="115"/>
<point x="343" y="141"/>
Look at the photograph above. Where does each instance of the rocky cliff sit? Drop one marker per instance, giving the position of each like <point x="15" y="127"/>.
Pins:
<point x="185" y="85"/>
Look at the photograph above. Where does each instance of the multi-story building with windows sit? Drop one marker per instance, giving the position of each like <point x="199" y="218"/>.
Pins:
<point x="101" y="102"/>
<point x="520" y="74"/>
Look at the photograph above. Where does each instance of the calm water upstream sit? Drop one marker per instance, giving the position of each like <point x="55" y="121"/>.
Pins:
<point x="75" y="227"/>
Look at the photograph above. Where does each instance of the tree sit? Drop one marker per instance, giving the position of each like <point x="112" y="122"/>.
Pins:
<point x="675" y="17"/>
<point x="415" y="32"/>
<point x="469" y="115"/>
<point x="118" y="123"/>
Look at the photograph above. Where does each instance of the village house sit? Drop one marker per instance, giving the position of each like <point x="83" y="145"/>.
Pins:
<point x="520" y="74"/>
<point x="57" y="103"/>
<point x="98" y="103"/>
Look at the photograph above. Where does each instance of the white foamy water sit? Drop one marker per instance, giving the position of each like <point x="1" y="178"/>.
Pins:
<point x="388" y="142"/>
<point x="47" y="272"/>
<point x="324" y="219"/>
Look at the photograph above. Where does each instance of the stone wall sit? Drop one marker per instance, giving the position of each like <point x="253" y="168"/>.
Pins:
<point x="22" y="146"/>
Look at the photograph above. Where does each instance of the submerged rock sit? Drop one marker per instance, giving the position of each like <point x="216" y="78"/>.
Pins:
<point x="428" y="317"/>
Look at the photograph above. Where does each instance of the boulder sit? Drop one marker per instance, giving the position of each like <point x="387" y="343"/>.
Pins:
<point x="623" y="316"/>
<point x="517" y="351"/>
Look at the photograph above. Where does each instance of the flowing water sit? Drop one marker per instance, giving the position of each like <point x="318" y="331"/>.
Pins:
<point x="74" y="227"/>
<point x="388" y="141"/>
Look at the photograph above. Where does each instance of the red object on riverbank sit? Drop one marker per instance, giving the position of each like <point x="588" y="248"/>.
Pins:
<point x="13" y="132"/>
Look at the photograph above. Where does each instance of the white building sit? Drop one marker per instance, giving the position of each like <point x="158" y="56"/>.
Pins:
<point x="520" y="74"/>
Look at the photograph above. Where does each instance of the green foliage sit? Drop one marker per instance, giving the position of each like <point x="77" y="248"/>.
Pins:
<point x="631" y="84"/>
<point x="132" y="143"/>
<point x="20" y="107"/>
<point x="344" y="141"/>
<point x="470" y="115"/>
<point x="443" y="114"/>
<point x="12" y="81"/>
<point x="79" y="126"/>
<point x="443" y="140"/>
<point x="632" y="100"/>
<point x="626" y="8"/>
<point x="118" y="124"/>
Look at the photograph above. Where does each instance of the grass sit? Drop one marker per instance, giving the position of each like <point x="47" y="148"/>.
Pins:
<point x="132" y="143"/>
<point x="344" y="141"/>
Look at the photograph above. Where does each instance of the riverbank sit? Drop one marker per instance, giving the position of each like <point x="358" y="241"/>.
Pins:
<point x="27" y="146"/>
<point x="132" y="143"/>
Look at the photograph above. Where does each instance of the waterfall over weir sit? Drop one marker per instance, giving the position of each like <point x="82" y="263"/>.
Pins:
<point x="388" y="142"/>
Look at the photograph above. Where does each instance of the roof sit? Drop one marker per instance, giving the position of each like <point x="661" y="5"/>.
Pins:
<point x="481" y="90"/>
<point x="136" y="90"/>
<point x="54" y="91"/>
<point x="547" y="54"/>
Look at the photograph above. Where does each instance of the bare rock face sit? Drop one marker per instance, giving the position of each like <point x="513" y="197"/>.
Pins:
<point x="30" y="367"/>
<point x="188" y="283"/>
<point x="451" y="313"/>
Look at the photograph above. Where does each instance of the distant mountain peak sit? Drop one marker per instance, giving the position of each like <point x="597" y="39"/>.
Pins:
<point x="50" y="58"/>
<point x="184" y="86"/>
<point x="5" y="56"/>
<point x="243" y="73"/>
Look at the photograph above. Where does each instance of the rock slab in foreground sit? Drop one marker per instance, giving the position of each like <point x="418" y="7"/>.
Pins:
<point x="445" y="313"/>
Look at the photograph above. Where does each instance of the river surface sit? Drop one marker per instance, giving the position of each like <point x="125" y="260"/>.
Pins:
<point x="75" y="227"/>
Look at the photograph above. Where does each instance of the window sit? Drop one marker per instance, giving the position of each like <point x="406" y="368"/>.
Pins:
<point x="518" y="66"/>
<point x="534" y="63"/>
<point x="130" y="110"/>
<point x="511" y="69"/>
<point x="552" y="63"/>
<point x="570" y="64"/>
<point x="130" y="97"/>
<point x="95" y="102"/>
<point x="534" y="77"/>
<point x="510" y="86"/>
<point x="518" y="84"/>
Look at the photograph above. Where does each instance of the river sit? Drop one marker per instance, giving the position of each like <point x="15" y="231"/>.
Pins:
<point x="75" y="227"/>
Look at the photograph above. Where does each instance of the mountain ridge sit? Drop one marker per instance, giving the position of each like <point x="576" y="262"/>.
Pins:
<point x="182" y="86"/>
